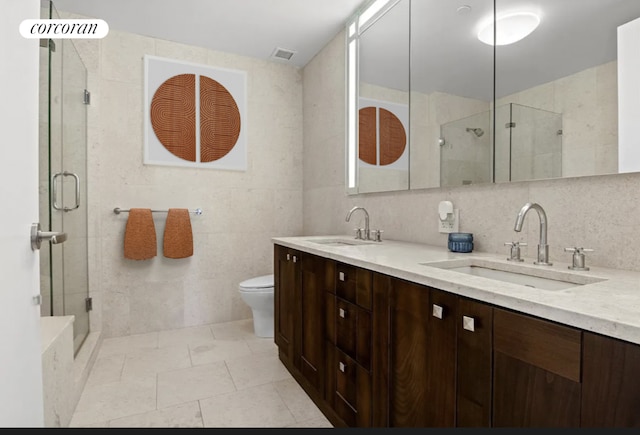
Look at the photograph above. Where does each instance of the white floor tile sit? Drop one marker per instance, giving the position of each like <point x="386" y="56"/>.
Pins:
<point x="254" y="407"/>
<point x="193" y="383"/>
<point x="258" y="369"/>
<point x="106" y="370"/>
<point x="154" y="361"/>
<point x="298" y="402"/>
<point x="183" y="415"/>
<point x="236" y="329"/>
<point x="128" y="344"/>
<point x="218" y="350"/>
<point x="190" y="336"/>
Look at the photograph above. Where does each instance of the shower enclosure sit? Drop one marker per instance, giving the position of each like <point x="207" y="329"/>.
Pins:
<point x="64" y="283"/>
<point x="527" y="145"/>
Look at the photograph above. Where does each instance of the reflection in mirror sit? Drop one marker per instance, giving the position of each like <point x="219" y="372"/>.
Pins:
<point x="383" y="101"/>
<point x="451" y="94"/>
<point x="558" y="90"/>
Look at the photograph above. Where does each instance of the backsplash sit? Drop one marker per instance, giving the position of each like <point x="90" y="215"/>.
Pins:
<point x="597" y="212"/>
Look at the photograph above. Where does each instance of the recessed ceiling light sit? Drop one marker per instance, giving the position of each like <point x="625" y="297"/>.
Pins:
<point x="510" y="28"/>
<point x="463" y="10"/>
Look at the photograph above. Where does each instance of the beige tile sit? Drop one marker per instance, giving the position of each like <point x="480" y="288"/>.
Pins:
<point x="106" y="370"/>
<point x="184" y="385"/>
<point x="99" y="403"/>
<point x="128" y="344"/>
<point x="218" y="350"/>
<point x="183" y="415"/>
<point x="190" y="336"/>
<point x="298" y="402"/>
<point x="258" y="369"/>
<point x="259" y="406"/>
<point x="314" y="422"/>
<point x="259" y="345"/>
<point x="148" y="363"/>
<point x="233" y="330"/>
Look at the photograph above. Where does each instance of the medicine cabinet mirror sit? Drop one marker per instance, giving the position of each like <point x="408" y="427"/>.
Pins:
<point x="552" y="112"/>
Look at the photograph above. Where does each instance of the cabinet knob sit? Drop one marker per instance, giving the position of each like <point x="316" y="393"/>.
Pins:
<point x="341" y="276"/>
<point x="342" y="366"/>
<point x="468" y="323"/>
<point x="437" y="311"/>
<point x="295" y="259"/>
<point x="342" y="313"/>
<point x="288" y="257"/>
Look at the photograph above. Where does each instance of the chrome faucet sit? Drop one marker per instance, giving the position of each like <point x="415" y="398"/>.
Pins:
<point x="367" y="232"/>
<point x="543" y="248"/>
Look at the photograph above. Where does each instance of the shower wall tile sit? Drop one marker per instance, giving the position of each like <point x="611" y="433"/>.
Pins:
<point x="121" y="57"/>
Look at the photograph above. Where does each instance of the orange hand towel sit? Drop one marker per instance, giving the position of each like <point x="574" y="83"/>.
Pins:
<point x="140" y="235"/>
<point x="178" y="238"/>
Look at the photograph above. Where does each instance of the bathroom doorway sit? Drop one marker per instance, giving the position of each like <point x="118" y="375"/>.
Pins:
<point x="64" y="276"/>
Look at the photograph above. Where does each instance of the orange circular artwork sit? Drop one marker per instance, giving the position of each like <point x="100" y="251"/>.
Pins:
<point x="173" y="118"/>
<point x="390" y="134"/>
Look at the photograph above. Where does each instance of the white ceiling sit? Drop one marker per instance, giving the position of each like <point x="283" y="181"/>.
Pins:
<point x="251" y="28"/>
<point x="573" y="35"/>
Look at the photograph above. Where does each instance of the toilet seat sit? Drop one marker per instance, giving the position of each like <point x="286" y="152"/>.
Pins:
<point x="257" y="284"/>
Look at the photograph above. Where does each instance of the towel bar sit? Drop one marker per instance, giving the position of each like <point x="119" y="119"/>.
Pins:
<point x="118" y="210"/>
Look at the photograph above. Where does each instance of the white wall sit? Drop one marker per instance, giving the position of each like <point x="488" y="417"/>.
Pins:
<point x="598" y="212"/>
<point x="242" y="210"/>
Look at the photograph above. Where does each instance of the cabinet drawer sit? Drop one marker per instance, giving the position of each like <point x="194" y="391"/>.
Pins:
<point x="353" y="392"/>
<point x="544" y="344"/>
<point x="353" y="331"/>
<point x="354" y="284"/>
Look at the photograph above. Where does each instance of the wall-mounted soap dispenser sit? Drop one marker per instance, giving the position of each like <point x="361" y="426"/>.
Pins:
<point x="448" y="217"/>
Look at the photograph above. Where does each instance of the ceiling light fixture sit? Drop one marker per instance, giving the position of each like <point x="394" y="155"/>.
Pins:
<point x="510" y="28"/>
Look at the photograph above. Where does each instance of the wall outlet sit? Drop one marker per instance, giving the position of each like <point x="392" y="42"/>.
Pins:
<point x="450" y="225"/>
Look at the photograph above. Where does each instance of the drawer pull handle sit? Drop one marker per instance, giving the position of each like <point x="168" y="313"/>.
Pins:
<point x="341" y="276"/>
<point x="288" y="257"/>
<point x="468" y="323"/>
<point x="342" y="313"/>
<point x="342" y="367"/>
<point x="295" y="259"/>
<point x="437" y="311"/>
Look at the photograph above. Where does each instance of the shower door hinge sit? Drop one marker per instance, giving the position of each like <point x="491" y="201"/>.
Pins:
<point x="48" y="43"/>
<point x="86" y="97"/>
<point x="88" y="304"/>
<point x="510" y="125"/>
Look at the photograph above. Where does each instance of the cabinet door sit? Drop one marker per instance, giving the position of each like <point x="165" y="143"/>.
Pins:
<point x="536" y="372"/>
<point x="408" y="354"/>
<point x="473" y="377"/>
<point x="313" y="273"/>
<point x="286" y="280"/>
<point x="610" y="382"/>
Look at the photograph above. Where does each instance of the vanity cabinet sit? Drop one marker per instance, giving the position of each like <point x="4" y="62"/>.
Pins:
<point x="536" y="372"/>
<point x="350" y="382"/>
<point x="610" y="382"/>
<point x="374" y="350"/>
<point x="439" y="358"/>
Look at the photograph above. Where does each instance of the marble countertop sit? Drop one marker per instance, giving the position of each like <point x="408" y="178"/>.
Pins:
<point x="607" y="301"/>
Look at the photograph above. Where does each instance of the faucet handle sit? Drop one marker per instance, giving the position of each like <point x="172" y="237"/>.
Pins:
<point x="358" y="232"/>
<point x="515" y="250"/>
<point x="376" y="235"/>
<point x="578" y="258"/>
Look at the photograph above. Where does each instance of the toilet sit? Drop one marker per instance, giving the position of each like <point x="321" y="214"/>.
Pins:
<point x="258" y="294"/>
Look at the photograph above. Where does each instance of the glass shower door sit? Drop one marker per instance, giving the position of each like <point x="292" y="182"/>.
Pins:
<point x="63" y="169"/>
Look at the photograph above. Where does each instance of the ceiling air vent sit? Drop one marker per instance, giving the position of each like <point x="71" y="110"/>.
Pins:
<point x="282" y="54"/>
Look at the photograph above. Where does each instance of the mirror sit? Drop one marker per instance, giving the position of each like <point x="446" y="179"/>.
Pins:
<point x="556" y="95"/>
<point x="383" y="101"/>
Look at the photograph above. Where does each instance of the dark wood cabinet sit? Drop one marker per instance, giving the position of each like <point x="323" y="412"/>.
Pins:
<point x="536" y="373"/>
<point x="286" y="283"/>
<point x="610" y="382"/>
<point x="373" y="350"/>
<point x="439" y="372"/>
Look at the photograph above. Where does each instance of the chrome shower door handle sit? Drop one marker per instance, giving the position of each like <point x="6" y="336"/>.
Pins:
<point x="38" y="236"/>
<point x="55" y="191"/>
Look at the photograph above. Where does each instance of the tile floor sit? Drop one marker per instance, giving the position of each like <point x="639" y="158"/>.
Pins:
<point x="218" y="375"/>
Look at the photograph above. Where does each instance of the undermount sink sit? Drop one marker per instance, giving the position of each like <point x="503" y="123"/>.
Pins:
<point x="528" y="276"/>
<point x="341" y="242"/>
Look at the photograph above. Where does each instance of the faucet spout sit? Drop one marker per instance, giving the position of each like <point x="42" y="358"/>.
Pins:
<point x="543" y="247"/>
<point x="367" y="232"/>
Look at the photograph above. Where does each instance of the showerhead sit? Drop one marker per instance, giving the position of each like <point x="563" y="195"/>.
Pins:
<point x="477" y="131"/>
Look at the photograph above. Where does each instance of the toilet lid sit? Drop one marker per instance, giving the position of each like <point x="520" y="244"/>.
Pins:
<point x="263" y="281"/>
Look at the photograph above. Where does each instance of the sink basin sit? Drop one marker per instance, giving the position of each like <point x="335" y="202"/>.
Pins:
<point x="528" y="276"/>
<point x="341" y="242"/>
